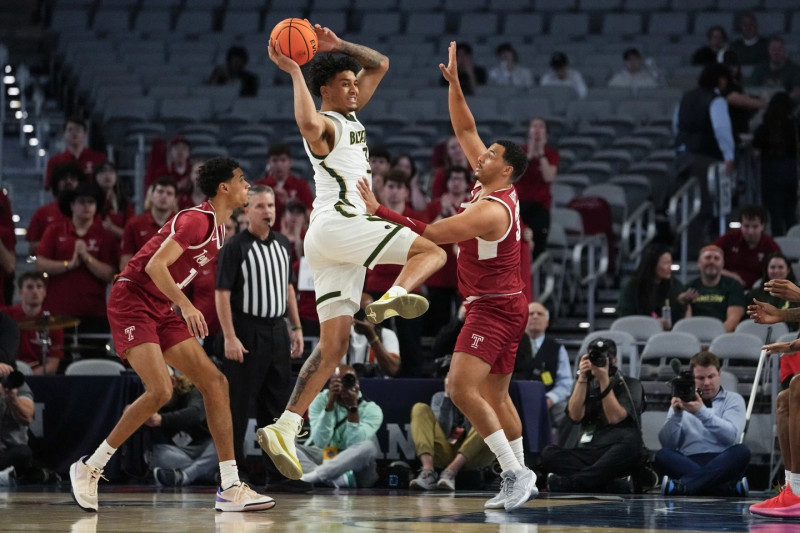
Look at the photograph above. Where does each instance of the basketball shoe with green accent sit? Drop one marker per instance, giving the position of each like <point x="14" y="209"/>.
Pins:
<point x="405" y="306"/>
<point x="278" y="441"/>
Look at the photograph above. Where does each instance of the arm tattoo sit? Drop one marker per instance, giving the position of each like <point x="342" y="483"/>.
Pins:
<point x="368" y="57"/>
<point x="309" y="368"/>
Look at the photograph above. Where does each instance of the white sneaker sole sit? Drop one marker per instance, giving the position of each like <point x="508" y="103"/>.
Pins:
<point x="501" y="504"/>
<point x="244" y="507"/>
<point x="271" y="441"/>
<point x="405" y="306"/>
<point x="533" y="492"/>
<point x="73" y="472"/>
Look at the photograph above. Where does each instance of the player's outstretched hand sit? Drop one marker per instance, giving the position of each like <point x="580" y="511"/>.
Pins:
<point x="764" y="313"/>
<point x="327" y="41"/>
<point x="450" y="72"/>
<point x="285" y="63"/>
<point x="368" y="196"/>
<point x="783" y="288"/>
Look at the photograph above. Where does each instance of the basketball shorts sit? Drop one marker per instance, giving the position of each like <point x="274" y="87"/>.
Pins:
<point x="493" y="327"/>
<point x="136" y="317"/>
<point x="339" y="250"/>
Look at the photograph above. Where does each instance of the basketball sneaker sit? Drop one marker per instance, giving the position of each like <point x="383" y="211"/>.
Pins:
<point x="447" y="480"/>
<point x="784" y="505"/>
<point x="426" y="480"/>
<point x="240" y="497"/>
<point x="405" y="306"/>
<point x="83" y="479"/>
<point x="520" y="486"/>
<point x="278" y="441"/>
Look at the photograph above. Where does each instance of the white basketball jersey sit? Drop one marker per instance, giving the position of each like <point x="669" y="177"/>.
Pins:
<point x="336" y="174"/>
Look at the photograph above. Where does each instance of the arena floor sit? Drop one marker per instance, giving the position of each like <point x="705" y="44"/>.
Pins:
<point x="143" y="509"/>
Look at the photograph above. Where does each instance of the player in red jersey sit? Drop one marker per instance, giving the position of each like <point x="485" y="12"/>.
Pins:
<point x="151" y="336"/>
<point x="487" y="230"/>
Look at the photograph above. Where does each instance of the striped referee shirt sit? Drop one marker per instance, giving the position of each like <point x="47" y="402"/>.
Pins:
<point x="257" y="273"/>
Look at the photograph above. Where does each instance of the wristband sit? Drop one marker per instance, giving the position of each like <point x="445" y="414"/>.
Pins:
<point x="374" y="339"/>
<point x="297" y="328"/>
<point x="66" y="265"/>
<point x="88" y="259"/>
<point x="414" y="225"/>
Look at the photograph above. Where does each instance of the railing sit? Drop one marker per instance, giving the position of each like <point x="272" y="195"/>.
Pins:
<point x="543" y="290"/>
<point x="590" y="255"/>
<point x="720" y="189"/>
<point x="684" y="206"/>
<point x="641" y="227"/>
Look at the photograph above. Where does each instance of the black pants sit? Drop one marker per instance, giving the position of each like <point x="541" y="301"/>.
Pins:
<point x="593" y="465"/>
<point x="19" y="456"/>
<point x="262" y="383"/>
<point x="444" y="302"/>
<point x="537" y="217"/>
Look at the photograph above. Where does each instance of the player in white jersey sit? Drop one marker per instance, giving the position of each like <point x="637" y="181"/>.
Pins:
<point x="343" y="239"/>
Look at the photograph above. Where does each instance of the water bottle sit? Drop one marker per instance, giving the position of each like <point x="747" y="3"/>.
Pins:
<point x="666" y="315"/>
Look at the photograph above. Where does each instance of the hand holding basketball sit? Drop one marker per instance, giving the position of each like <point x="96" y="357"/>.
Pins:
<point x="327" y="41"/>
<point x="295" y="38"/>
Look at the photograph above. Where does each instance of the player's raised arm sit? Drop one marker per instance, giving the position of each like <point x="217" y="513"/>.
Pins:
<point x="461" y="117"/>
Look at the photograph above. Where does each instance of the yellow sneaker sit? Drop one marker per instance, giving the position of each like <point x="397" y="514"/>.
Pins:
<point x="405" y="306"/>
<point x="278" y="441"/>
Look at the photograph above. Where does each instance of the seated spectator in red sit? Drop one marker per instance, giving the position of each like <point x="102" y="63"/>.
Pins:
<point x="32" y="293"/>
<point x="75" y="151"/>
<point x="379" y="162"/>
<point x="6" y="213"/>
<point x="117" y="208"/>
<point x="233" y="71"/>
<point x="174" y="163"/>
<point x="80" y="259"/>
<point x="746" y="248"/>
<point x="140" y="228"/>
<point x="286" y="185"/>
<point x="454" y="157"/>
<point x="66" y="177"/>
<point x="405" y="164"/>
<point x="192" y="195"/>
<point x="8" y="263"/>
<point x="294" y="225"/>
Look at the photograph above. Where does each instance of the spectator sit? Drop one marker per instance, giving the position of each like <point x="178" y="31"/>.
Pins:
<point x="751" y="48"/>
<point x="745" y="248"/>
<point x="194" y="195"/>
<point x="776" y="266"/>
<point x="776" y="140"/>
<point x="343" y="424"/>
<point x="741" y="106"/>
<point x="286" y="185"/>
<point x="454" y="157"/>
<point x="66" y="176"/>
<point x="470" y="75"/>
<point x="608" y="408"/>
<point x="634" y="75"/>
<point x="717" y="43"/>
<point x="32" y="293"/>
<point x="173" y="162"/>
<point x="76" y="150"/>
<point x="716" y="295"/>
<point x="779" y="71"/>
<point x="140" y="228"/>
<point x="117" y="208"/>
<point x="405" y="164"/>
<point x="444" y="438"/>
<point x="533" y="188"/>
<point x="183" y="452"/>
<point x="374" y="350"/>
<point x="442" y="287"/>
<point x="294" y="224"/>
<point x="699" y="452"/>
<point x="652" y="287"/>
<point x="16" y="414"/>
<point x="379" y="162"/>
<point x="79" y="257"/>
<point x="562" y="75"/>
<point x="234" y="71"/>
<point x="508" y="72"/>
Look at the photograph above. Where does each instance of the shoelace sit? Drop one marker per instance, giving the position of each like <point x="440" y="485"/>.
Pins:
<point x="509" y="480"/>
<point x="95" y="475"/>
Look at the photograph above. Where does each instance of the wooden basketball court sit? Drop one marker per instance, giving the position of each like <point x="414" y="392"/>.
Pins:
<point x="144" y="509"/>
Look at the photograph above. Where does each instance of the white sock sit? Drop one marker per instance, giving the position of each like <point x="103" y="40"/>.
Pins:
<point x="289" y="416"/>
<point x="310" y="477"/>
<point x="498" y="443"/>
<point x="516" y="446"/>
<point x="397" y="290"/>
<point x="228" y="473"/>
<point x="795" y="483"/>
<point x="101" y="455"/>
<point x="787" y="475"/>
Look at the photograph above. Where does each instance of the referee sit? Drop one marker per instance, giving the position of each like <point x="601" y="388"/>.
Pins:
<point x="253" y="294"/>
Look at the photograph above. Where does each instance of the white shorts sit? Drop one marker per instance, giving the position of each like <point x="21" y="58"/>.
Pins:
<point x="339" y="250"/>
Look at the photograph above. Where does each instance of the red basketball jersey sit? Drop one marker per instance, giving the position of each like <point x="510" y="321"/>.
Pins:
<point x="195" y="231"/>
<point x="492" y="267"/>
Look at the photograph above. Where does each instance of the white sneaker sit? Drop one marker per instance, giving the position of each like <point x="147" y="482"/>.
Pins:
<point x="7" y="477"/>
<point x="345" y="481"/>
<point x="278" y="441"/>
<point x="84" y="480"/>
<point x="520" y="486"/>
<point x="499" y="500"/>
<point x="426" y="480"/>
<point x="240" y="497"/>
<point x="406" y="306"/>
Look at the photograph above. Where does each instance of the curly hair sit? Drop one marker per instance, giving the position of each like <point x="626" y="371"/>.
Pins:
<point x="215" y="171"/>
<point x="323" y="68"/>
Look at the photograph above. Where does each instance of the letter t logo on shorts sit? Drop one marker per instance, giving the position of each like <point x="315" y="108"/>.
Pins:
<point x="476" y="339"/>
<point x="129" y="332"/>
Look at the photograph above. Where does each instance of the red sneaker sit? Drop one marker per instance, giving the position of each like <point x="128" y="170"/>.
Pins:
<point x="784" y="505"/>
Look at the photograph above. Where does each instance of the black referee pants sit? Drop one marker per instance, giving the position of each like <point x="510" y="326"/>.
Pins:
<point x="262" y="383"/>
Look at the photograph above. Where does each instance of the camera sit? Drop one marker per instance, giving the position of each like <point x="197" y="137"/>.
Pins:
<point x="349" y="381"/>
<point x="600" y="351"/>
<point x="683" y="386"/>
<point x="14" y="380"/>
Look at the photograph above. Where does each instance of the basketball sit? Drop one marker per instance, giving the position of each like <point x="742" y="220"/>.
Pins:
<point x="296" y="38"/>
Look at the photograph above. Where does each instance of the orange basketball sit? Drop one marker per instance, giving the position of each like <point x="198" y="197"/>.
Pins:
<point x="296" y="38"/>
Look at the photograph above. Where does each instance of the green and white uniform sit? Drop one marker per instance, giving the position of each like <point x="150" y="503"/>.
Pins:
<point x="342" y="239"/>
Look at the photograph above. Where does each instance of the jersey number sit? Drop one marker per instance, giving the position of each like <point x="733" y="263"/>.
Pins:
<point x="516" y="214"/>
<point x="190" y="277"/>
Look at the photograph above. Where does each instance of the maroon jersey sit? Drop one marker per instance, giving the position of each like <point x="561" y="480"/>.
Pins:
<point x="30" y="348"/>
<point x="137" y="232"/>
<point x="42" y="218"/>
<point x="195" y="232"/>
<point x="492" y="267"/>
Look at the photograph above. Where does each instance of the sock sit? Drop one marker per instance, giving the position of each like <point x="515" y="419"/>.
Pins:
<point x="787" y="475"/>
<point x="294" y="418"/>
<point x="795" y="483"/>
<point x="498" y="443"/>
<point x="228" y="473"/>
<point x="100" y="457"/>
<point x="396" y="290"/>
<point x="516" y="446"/>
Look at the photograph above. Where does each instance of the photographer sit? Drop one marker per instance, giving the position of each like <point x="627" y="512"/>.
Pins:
<point x="341" y="449"/>
<point x="374" y="350"/>
<point x="608" y="408"/>
<point x="699" y="454"/>
<point x="16" y="413"/>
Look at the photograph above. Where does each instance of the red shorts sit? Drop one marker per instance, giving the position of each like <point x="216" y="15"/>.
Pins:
<point x="493" y="327"/>
<point x="136" y="317"/>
